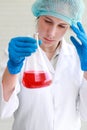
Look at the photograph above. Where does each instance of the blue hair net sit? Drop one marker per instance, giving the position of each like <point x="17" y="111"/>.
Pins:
<point x="70" y="11"/>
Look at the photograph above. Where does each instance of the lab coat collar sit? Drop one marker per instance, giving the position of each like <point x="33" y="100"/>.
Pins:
<point x="62" y="53"/>
<point x="64" y="48"/>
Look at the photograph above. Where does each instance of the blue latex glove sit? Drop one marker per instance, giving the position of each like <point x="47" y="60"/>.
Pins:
<point x="19" y="48"/>
<point x="81" y="46"/>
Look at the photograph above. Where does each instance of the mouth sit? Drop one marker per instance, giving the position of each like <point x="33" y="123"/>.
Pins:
<point x="48" y="40"/>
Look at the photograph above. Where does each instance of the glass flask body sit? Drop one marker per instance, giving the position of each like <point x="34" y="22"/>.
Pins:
<point x="36" y="74"/>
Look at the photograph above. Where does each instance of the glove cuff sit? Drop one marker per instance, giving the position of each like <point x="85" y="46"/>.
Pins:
<point x="84" y="67"/>
<point x="14" y="68"/>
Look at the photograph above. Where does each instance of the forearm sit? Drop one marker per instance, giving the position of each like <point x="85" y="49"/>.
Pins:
<point x="85" y="75"/>
<point x="8" y="83"/>
<point x="83" y="98"/>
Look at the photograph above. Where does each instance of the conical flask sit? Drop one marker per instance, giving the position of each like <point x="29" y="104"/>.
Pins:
<point x="36" y="73"/>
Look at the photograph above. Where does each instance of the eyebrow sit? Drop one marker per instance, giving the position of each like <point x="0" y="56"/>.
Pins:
<point x="52" y="20"/>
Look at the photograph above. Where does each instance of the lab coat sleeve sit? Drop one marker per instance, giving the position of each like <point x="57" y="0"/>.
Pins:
<point x="83" y="100"/>
<point x="8" y="108"/>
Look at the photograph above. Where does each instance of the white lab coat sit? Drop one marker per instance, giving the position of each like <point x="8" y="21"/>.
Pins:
<point x="56" y="107"/>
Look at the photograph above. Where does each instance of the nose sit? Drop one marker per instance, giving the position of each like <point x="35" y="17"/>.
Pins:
<point x="52" y="31"/>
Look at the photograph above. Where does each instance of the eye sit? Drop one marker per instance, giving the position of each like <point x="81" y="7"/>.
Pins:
<point x="62" y="26"/>
<point x="47" y="21"/>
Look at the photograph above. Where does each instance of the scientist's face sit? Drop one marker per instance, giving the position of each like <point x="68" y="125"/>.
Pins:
<point x="51" y="30"/>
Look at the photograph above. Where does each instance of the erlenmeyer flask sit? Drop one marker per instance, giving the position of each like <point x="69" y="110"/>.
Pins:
<point x="36" y="73"/>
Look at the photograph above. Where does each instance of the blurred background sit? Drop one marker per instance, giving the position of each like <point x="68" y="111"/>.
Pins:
<point x="16" y="19"/>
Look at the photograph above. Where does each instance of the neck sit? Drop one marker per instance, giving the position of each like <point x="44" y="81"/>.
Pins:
<point x="51" y="50"/>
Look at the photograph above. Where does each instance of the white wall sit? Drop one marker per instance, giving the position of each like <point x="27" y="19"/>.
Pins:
<point x="16" y="20"/>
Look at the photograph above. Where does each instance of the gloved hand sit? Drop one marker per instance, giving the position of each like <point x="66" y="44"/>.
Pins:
<point x="19" y="48"/>
<point x="81" y="46"/>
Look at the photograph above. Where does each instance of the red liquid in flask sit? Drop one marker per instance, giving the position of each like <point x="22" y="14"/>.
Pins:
<point x="36" y="79"/>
